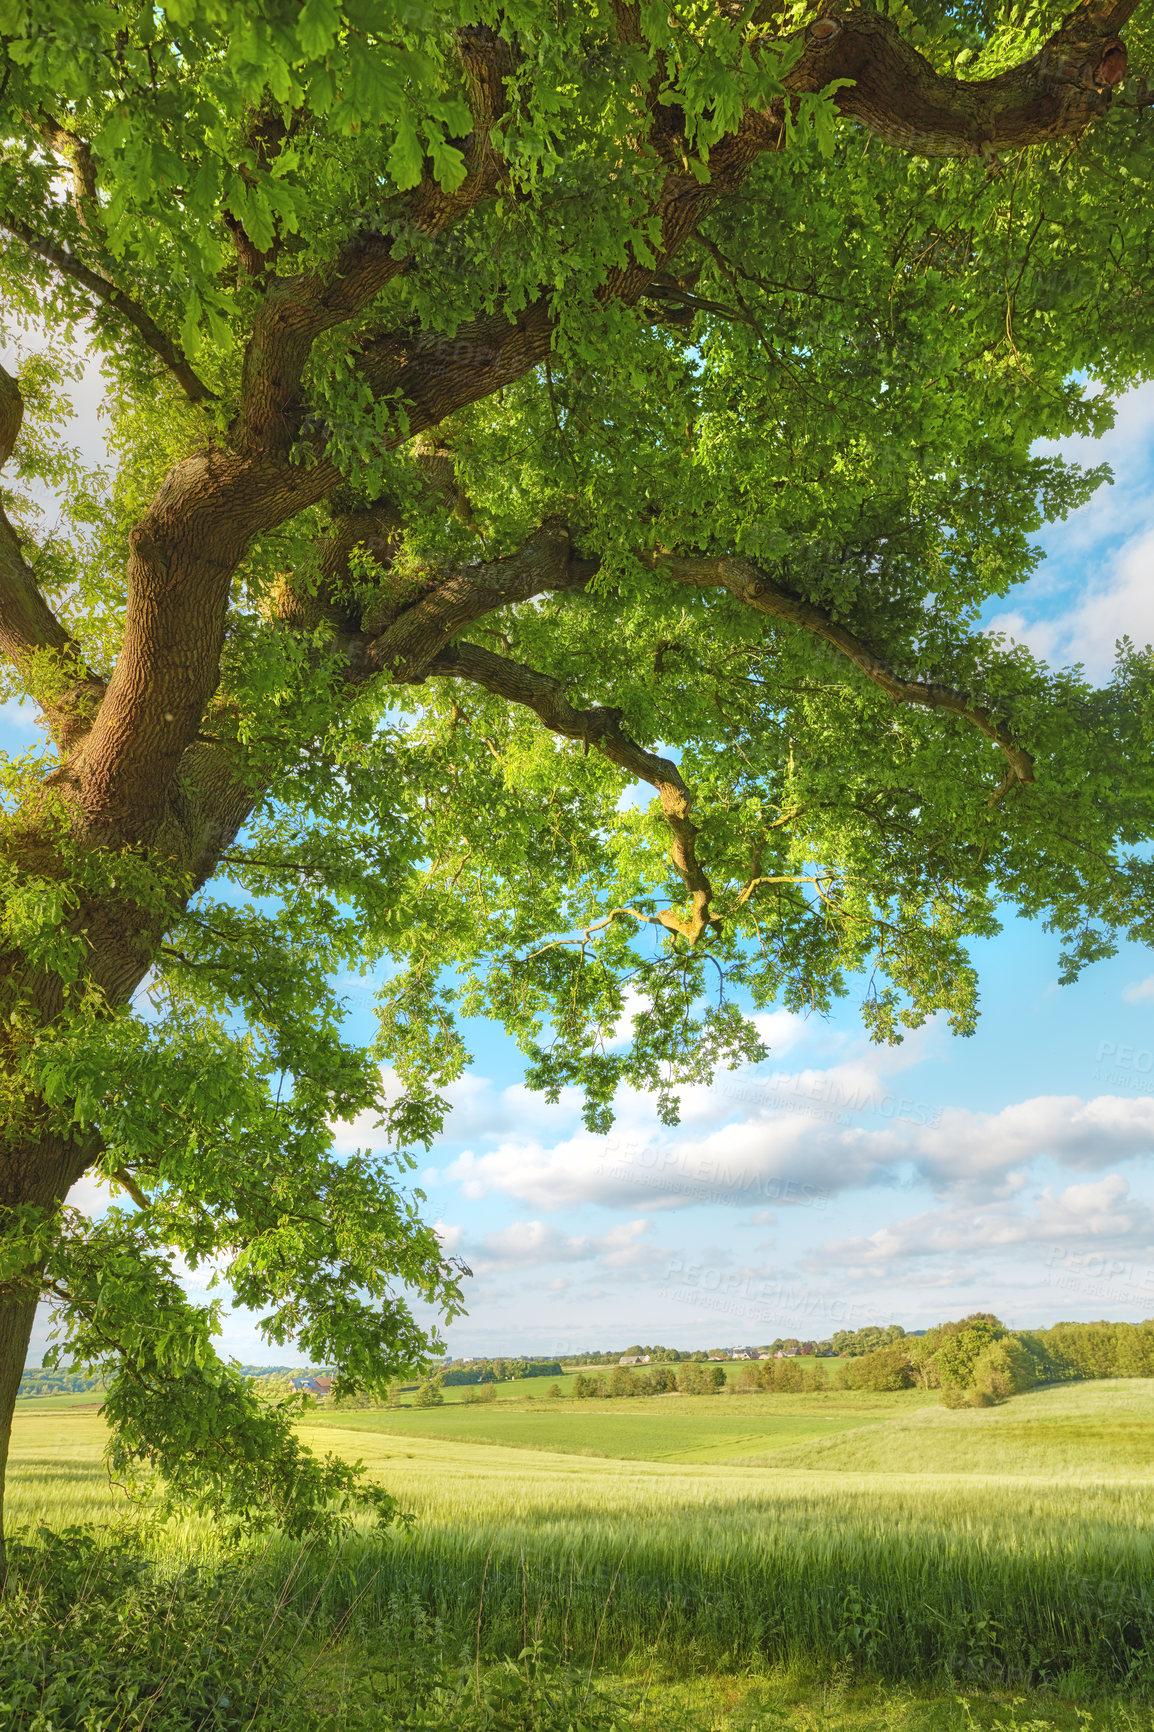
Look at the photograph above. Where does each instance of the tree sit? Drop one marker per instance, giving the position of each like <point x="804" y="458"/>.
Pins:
<point x="491" y="399"/>
<point x="429" y="1393"/>
<point x="884" y="1368"/>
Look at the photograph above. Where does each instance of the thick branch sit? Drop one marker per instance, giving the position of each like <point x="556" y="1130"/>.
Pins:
<point x="418" y="630"/>
<point x="78" y="154"/>
<point x="106" y="291"/>
<point x="897" y="94"/>
<point x="212" y="506"/>
<point x="28" y="626"/>
<point x="602" y="729"/>
<point x="11" y="415"/>
<point x="750" y="585"/>
<point x="297" y="310"/>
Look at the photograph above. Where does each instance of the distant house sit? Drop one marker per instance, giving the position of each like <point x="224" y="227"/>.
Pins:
<point x="313" y="1385"/>
<point x="634" y="1359"/>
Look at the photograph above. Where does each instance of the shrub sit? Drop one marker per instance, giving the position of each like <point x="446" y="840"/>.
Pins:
<point x="1004" y="1368"/>
<point x="429" y="1393"/>
<point x="960" y="1351"/>
<point x="884" y="1369"/>
<point x="92" y="1637"/>
<point x="701" y="1379"/>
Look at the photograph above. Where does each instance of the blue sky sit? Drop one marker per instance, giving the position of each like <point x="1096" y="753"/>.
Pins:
<point x="837" y="1183"/>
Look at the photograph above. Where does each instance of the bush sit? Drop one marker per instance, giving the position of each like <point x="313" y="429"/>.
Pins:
<point x="884" y="1369"/>
<point x="963" y="1346"/>
<point x="98" y="1638"/>
<point x="701" y="1379"/>
<point x="1004" y="1368"/>
<point x="429" y="1393"/>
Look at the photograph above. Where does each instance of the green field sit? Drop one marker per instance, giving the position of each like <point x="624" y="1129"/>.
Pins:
<point x="837" y="1536"/>
<point x="521" y="1389"/>
<point x="671" y="1428"/>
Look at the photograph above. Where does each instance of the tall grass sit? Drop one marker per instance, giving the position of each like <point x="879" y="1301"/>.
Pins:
<point x="1025" y="1578"/>
<point x="1020" y="1583"/>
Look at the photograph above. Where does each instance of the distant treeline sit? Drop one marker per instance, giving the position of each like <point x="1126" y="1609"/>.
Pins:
<point x="978" y="1361"/>
<point x="38" y="1384"/>
<point x="499" y="1370"/>
<point x="974" y="1362"/>
<point x="782" y="1376"/>
<point x="844" y="1342"/>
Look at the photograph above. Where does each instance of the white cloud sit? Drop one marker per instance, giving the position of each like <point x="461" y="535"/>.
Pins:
<point x="796" y="1146"/>
<point x="1102" y="1212"/>
<point x="1109" y="541"/>
<point x="534" y="1244"/>
<point x="92" y="1195"/>
<point x="1139" y="991"/>
<point x="965" y="1147"/>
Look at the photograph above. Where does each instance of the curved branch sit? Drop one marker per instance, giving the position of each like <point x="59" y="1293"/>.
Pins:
<point x="31" y="636"/>
<point x="897" y="94"/>
<point x="77" y="152"/>
<point x="297" y="310"/>
<point x="600" y="728"/>
<point x="211" y="506"/>
<point x="109" y="295"/>
<point x="749" y="584"/>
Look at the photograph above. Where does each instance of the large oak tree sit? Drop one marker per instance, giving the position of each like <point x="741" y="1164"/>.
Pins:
<point x="509" y="407"/>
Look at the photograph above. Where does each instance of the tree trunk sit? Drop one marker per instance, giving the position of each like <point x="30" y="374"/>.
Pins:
<point x="41" y="1174"/>
<point x="17" y="1313"/>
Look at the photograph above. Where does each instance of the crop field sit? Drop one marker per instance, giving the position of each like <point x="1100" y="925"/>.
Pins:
<point x="663" y="1428"/>
<point x="879" y="1536"/>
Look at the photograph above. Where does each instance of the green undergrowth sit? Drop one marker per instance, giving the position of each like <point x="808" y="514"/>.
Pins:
<point x="97" y="1636"/>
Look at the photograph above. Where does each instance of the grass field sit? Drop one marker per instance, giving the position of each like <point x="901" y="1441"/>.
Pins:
<point x="665" y="1428"/>
<point x="838" y="1536"/>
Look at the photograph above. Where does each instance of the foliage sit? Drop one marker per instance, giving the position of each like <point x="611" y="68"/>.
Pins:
<point x="429" y="1393"/>
<point x="36" y="1384"/>
<point x="961" y="1347"/>
<point x="701" y="1379"/>
<point x="784" y="1377"/>
<point x="1076" y="1350"/>
<point x="93" y="1636"/>
<point x="851" y="1342"/>
<point x="883" y="1368"/>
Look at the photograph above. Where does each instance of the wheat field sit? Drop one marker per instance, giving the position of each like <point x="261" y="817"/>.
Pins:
<point x="1008" y="1545"/>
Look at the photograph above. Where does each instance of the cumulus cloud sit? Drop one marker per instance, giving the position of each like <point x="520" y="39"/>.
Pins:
<point x="534" y="1244"/>
<point x="966" y="1147"/>
<point x="92" y="1195"/>
<point x="1139" y="991"/>
<point x="796" y="1145"/>
<point x="1099" y="1212"/>
<point x="1105" y="553"/>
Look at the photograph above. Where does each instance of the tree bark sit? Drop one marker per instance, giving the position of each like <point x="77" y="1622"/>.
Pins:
<point x="17" y="1313"/>
<point x="40" y="1174"/>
